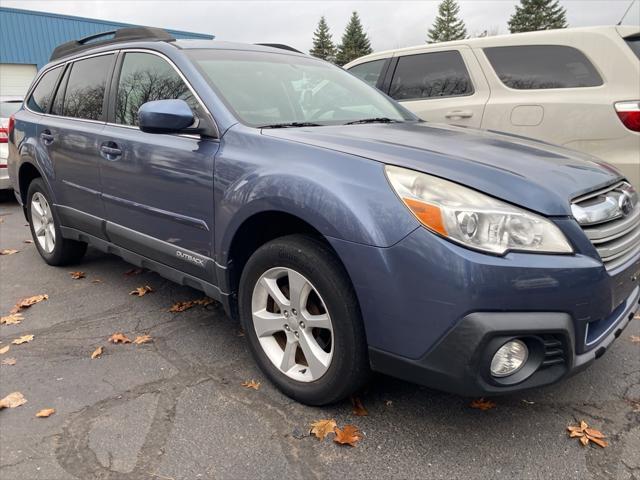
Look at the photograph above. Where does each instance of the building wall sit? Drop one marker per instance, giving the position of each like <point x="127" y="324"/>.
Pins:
<point x="27" y="39"/>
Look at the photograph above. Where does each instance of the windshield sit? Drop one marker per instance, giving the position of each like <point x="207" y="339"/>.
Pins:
<point x="270" y="89"/>
<point x="9" y="108"/>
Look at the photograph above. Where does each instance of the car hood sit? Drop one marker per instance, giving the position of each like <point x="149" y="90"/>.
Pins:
<point x="532" y="174"/>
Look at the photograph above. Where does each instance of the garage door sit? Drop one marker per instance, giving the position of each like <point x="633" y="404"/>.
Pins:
<point x="15" y="79"/>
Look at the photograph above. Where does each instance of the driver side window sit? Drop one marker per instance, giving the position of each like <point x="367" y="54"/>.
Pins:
<point x="145" y="77"/>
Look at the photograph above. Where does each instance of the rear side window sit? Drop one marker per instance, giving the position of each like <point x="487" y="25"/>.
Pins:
<point x="369" y="72"/>
<point x="528" y="67"/>
<point x="40" y="99"/>
<point x="84" y="95"/>
<point x="634" y="44"/>
<point x="145" y="77"/>
<point x="431" y="75"/>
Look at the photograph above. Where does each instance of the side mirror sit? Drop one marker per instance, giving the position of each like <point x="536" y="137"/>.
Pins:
<point x="165" y="116"/>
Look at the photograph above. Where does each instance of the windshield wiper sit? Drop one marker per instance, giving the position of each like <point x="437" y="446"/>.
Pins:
<point x="291" y="125"/>
<point x="373" y="120"/>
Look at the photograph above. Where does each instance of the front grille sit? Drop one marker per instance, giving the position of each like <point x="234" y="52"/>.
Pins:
<point x="610" y="217"/>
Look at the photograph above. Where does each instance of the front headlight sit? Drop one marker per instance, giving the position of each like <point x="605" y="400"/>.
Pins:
<point x="472" y="218"/>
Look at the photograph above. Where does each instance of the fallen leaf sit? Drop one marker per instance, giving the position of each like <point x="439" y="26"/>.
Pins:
<point x="349" y="435"/>
<point x="23" y="339"/>
<point x="322" y="428"/>
<point x="140" y="339"/>
<point x="13" y="400"/>
<point x="27" y="302"/>
<point x="358" y="407"/>
<point x="77" y="275"/>
<point x="119" y="337"/>
<point x="46" y="412"/>
<point x="11" y="319"/>
<point x="96" y="280"/>
<point x="8" y="251"/>
<point x="586" y="434"/>
<point x="635" y="338"/>
<point x="635" y="406"/>
<point x="97" y="353"/>
<point x="482" y="404"/>
<point x="28" y="240"/>
<point x="4" y="349"/>
<point x="251" y="384"/>
<point x="240" y="333"/>
<point x="141" y="291"/>
<point x="204" y="301"/>
<point x="133" y="271"/>
<point x="8" y="361"/>
<point x="182" y="306"/>
<point x="388" y="403"/>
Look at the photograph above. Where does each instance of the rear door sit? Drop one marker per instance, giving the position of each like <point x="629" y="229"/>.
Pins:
<point x="158" y="188"/>
<point x="444" y="85"/>
<point x="71" y="134"/>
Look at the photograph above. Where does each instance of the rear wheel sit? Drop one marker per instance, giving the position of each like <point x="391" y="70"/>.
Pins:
<point x="302" y="320"/>
<point x="45" y="229"/>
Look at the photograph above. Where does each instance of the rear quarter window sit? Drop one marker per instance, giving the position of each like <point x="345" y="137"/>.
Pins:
<point x="530" y="67"/>
<point x="40" y="98"/>
<point x="634" y="45"/>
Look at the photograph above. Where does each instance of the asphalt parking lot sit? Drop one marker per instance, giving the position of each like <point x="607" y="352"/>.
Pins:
<point x="175" y="408"/>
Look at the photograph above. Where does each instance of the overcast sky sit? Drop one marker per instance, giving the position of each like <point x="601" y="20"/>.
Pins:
<point x="390" y="24"/>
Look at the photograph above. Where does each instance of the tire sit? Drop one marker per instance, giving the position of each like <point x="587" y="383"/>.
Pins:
<point x="53" y="248"/>
<point x="342" y="366"/>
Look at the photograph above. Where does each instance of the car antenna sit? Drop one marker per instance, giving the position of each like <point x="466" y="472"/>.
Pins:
<point x="627" y="11"/>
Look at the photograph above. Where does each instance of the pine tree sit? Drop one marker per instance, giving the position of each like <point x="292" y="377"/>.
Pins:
<point x="355" y="42"/>
<point x="323" y="46"/>
<point x="533" y="15"/>
<point x="447" y="25"/>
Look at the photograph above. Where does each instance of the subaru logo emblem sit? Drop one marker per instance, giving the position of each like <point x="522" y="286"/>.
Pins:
<point x="625" y="202"/>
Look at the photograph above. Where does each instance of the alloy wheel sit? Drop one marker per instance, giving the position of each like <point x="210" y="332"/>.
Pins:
<point x="42" y="220"/>
<point x="292" y="324"/>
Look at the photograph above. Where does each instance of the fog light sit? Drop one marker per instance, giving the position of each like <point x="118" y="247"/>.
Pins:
<point x="509" y="358"/>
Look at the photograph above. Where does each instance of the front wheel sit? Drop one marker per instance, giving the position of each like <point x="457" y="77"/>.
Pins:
<point x="45" y="229"/>
<point x="302" y="320"/>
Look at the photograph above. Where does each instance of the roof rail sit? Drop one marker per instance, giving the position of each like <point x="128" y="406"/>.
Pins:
<point x="279" y="45"/>
<point x="114" y="36"/>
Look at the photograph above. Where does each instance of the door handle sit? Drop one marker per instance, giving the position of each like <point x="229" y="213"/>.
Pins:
<point x="46" y="137"/>
<point x="110" y="151"/>
<point x="459" y="114"/>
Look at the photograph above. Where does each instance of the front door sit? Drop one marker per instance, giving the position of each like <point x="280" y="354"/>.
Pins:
<point x="444" y="85"/>
<point x="157" y="188"/>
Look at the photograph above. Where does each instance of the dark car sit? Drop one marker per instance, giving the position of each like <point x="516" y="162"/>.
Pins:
<point x="346" y="234"/>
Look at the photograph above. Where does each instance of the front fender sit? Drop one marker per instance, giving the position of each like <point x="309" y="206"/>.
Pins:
<point x="340" y="195"/>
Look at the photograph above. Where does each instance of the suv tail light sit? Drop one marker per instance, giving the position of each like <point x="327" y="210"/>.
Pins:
<point x="629" y="114"/>
<point x="5" y="132"/>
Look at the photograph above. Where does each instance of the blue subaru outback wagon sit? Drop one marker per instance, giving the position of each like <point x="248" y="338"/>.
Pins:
<point x="345" y="233"/>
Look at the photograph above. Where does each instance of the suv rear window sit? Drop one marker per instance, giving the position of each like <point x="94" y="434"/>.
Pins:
<point x="430" y="75"/>
<point x="529" y="67"/>
<point x="634" y="44"/>
<point x="84" y="95"/>
<point x="40" y="99"/>
<point x="369" y="71"/>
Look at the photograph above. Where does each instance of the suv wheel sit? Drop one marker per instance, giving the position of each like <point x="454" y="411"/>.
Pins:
<point x="302" y="320"/>
<point x="45" y="229"/>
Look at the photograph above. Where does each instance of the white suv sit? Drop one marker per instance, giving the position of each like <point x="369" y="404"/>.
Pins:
<point x="577" y="87"/>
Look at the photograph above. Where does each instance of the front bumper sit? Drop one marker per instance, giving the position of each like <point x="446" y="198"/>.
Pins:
<point x="460" y="362"/>
<point x="435" y="312"/>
